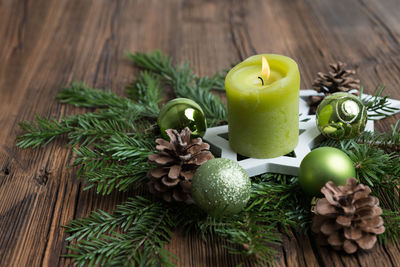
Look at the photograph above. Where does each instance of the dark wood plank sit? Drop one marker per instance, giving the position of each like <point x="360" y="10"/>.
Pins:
<point x="47" y="44"/>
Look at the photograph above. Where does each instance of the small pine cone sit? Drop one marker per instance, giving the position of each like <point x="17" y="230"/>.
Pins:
<point x="348" y="217"/>
<point x="338" y="79"/>
<point x="176" y="163"/>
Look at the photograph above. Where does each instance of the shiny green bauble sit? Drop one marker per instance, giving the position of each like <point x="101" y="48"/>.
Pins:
<point x="322" y="165"/>
<point x="341" y="116"/>
<point x="180" y="113"/>
<point x="221" y="187"/>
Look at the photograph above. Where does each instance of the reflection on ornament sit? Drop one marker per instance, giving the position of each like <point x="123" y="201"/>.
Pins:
<point x="180" y="113"/>
<point x="341" y="116"/>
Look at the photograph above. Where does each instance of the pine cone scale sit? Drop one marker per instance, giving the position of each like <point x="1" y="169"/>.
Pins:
<point x="328" y="228"/>
<point x="352" y="233"/>
<point x="174" y="171"/>
<point x="349" y="246"/>
<point x="325" y="208"/>
<point x="343" y="221"/>
<point x="168" y="182"/>
<point x="200" y="158"/>
<point x="367" y="241"/>
<point x="158" y="172"/>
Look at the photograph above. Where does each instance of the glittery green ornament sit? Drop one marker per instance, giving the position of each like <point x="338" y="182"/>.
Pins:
<point x="221" y="187"/>
<point x="180" y="113"/>
<point x="324" y="164"/>
<point x="341" y="116"/>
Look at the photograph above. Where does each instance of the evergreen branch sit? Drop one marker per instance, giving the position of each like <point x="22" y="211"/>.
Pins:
<point x="270" y="195"/>
<point x="276" y="201"/>
<point x="378" y="106"/>
<point x="42" y="132"/>
<point x="184" y="82"/>
<point x="82" y="128"/>
<point x="389" y="142"/>
<point x="370" y="163"/>
<point x="134" y="234"/>
<point x="392" y="226"/>
<point x="101" y="169"/>
<point x="146" y="91"/>
<point x="81" y="95"/>
<point x="115" y="176"/>
<point x="121" y="146"/>
<point x="248" y="233"/>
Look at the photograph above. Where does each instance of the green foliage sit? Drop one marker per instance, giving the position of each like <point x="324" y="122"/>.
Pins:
<point x="185" y="83"/>
<point x="276" y="202"/>
<point x="389" y="142"/>
<point x="378" y="105"/>
<point x="133" y="235"/>
<point x="42" y="132"/>
<point x="82" y="128"/>
<point x="392" y="226"/>
<point x="119" y="162"/>
<point x="111" y="145"/>
<point x="81" y="95"/>
<point x="146" y="91"/>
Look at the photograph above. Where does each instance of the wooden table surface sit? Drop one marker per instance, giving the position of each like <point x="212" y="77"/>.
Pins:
<point x="46" y="44"/>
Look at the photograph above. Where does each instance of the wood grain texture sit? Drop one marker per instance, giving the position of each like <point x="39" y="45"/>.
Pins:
<point x="46" y="44"/>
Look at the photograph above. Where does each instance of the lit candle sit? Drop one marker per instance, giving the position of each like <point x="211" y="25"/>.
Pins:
<point x="263" y="106"/>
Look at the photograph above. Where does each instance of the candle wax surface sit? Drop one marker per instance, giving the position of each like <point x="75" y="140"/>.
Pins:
<point x="263" y="119"/>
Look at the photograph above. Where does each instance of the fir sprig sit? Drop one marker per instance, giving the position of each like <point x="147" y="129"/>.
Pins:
<point x="81" y="95"/>
<point x="81" y="128"/>
<point x="185" y="83"/>
<point x="276" y="202"/>
<point x="392" y="226"/>
<point x="135" y="234"/>
<point x="146" y="90"/>
<point x="377" y="104"/>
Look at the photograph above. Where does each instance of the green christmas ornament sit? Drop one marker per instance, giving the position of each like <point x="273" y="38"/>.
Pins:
<point x="322" y="165"/>
<point x="180" y="113"/>
<point x="221" y="187"/>
<point x="341" y="116"/>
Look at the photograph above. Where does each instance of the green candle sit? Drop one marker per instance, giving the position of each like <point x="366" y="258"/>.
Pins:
<point x="263" y="106"/>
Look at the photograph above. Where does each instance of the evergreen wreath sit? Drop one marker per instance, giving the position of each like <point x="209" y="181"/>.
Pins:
<point x="111" y="147"/>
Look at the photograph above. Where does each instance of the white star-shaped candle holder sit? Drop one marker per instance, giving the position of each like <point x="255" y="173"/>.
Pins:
<point x="309" y="137"/>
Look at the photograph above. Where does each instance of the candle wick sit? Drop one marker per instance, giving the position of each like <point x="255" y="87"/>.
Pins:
<point x="262" y="81"/>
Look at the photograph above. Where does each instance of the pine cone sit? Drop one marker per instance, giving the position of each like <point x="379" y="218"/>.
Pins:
<point x="348" y="217"/>
<point x="337" y="80"/>
<point x="177" y="161"/>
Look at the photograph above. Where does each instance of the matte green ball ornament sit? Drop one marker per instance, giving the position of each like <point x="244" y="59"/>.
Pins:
<point x="322" y="165"/>
<point x="221" y="187"/>
<point x="341" y="116"/>
<point x="180" y="113"/>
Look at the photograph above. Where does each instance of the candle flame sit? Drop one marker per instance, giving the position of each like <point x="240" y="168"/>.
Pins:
<point x="265" y="70"/>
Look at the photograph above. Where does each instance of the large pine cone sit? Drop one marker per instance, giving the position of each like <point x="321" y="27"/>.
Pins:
<point x="348" y="217"/>
<point x="177" y="161"/>
<point x="338" y="79"/>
